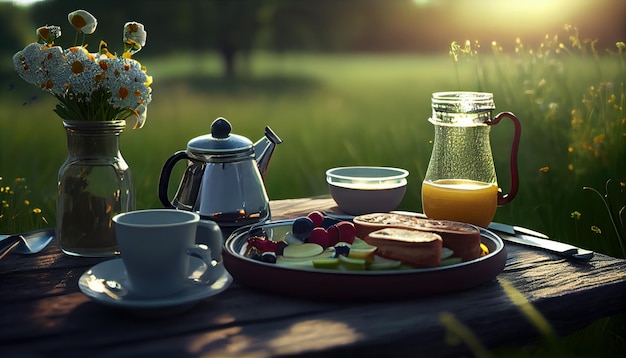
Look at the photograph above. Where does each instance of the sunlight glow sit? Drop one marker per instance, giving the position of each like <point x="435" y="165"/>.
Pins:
<point x="21" y="2"/>
<point x="422" y="2"/>
<point x="526" y="13"/>
<point x="529" y="12"/>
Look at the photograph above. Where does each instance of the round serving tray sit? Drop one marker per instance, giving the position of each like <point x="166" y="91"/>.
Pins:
<point x="382" y="285"/>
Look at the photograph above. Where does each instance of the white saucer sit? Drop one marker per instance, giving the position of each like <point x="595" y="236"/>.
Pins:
<point x="107" y="283"/>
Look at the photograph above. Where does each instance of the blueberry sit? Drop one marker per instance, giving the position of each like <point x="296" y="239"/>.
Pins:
<point x="269" y="257"/>
<point x="342" y="249"/>
<point x="302" y="228"/>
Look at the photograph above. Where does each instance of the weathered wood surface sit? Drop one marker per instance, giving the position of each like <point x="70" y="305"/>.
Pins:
<point x="43" y="313"/>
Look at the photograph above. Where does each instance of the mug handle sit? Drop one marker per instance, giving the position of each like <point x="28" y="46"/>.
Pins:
<point x="209" y="250"/>
<point x="504" y="199"/>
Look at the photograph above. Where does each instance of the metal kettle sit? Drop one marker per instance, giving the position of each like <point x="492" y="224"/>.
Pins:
<point x="223" y="180"/>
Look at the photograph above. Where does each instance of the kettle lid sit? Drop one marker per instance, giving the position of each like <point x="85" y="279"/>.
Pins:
<point x="220" y="141"/>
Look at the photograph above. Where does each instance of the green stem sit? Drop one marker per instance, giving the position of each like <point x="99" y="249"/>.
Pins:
<point x="605" y="199"/>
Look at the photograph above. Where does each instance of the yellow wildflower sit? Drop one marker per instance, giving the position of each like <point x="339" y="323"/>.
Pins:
<point x="599" y="138"/>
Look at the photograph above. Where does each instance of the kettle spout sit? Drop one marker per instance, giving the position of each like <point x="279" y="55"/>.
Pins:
<point x="264" y="148"/>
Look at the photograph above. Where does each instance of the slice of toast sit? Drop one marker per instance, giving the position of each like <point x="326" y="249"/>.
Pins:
<point x="462" y="238"/>
<point x="413" y="247"/>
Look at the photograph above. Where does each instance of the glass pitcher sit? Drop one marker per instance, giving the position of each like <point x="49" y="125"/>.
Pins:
<point x="461" y="183"/>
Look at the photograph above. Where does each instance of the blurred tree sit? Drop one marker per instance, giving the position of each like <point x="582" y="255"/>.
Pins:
<point x="235" y="25"/>
<point x="323" y="25"/>
<point x="229" y="27"/>
<point x="234" y="28"/>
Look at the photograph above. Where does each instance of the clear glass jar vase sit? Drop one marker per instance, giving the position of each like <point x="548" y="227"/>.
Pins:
<point x="94" y="184"/>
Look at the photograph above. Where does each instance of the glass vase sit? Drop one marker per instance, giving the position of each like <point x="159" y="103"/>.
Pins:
<point x="94" y="184"/>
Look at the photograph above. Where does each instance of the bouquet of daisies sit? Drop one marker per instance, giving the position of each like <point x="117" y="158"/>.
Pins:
<point x="89" y="86"/>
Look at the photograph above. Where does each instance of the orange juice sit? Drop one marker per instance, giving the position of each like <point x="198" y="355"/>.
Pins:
<point x="460" y="200"/>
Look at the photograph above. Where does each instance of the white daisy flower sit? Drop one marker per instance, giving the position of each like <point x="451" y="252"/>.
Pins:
<point x="134" y="37"/>
<point x="83" y="21"/>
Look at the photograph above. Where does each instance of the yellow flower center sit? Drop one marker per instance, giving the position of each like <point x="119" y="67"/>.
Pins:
<point x="78" y="21"/>
<point x="77" y="67"/>
<point x="123" y="92"/>
<point x="132" y="27"/>
<point x="44" y="32"/>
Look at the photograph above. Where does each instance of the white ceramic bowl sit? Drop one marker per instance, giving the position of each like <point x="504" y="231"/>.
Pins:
<point x="363" y="190"/>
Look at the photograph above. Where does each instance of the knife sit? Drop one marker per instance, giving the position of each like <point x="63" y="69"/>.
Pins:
<point x="528" y="237"/>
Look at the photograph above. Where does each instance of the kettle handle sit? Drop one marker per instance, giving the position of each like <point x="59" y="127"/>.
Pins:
<point x="507" y="198"/>
<point x="164" y="179"/>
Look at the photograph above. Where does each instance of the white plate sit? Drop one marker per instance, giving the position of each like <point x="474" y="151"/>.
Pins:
<point x="107" y="283"/>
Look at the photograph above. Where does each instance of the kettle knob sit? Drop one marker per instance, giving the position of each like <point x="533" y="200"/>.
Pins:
<point x="221" y="128"/>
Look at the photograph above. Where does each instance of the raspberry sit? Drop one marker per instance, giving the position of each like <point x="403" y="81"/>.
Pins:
<point x="317" y="218"/>
<point x="319" y="236"/>
<point x="333" y="235"/>
<point x="262" y="244"/>
<point x="280" y="247"/>
<point x="347" y="231"/>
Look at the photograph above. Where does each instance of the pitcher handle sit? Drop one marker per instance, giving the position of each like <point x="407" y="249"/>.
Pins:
<point x="504" y="199"/>
<point x="164" y="179"/>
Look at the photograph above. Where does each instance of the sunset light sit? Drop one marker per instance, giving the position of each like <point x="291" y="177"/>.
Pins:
<point x="528" y="13"/>
<point x="505" y="20"/>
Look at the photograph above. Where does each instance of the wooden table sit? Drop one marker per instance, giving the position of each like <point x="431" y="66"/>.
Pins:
<point x="43" y="313"/>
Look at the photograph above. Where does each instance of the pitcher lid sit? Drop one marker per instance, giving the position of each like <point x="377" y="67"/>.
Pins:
<point x="220" y="141"/>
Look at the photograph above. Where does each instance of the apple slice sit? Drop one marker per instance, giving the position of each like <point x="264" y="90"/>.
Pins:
<point x="362" y="252"/>
<point x="303" y="262"/>
<point x="381" y="263"/>
<point x="446" y="252"/>
<point x="360" y="249"/>
<point x="304" y="250"/>
<point x="352" y="264"/>
<point x="326" y="263"/>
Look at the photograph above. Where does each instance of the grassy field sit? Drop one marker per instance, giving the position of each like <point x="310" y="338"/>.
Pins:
<point x="330" y="111"/>
<point x="341" y="110"/>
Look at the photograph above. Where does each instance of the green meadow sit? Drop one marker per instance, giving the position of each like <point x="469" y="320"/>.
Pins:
<point x="339" y="110"/>
<point x="329" y="111"/>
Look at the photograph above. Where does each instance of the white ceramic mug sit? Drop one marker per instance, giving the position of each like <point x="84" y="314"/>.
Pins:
<point x="156" y="246"/>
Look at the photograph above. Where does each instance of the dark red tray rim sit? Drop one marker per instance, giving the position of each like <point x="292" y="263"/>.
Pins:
<point x="234" y="246"/>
